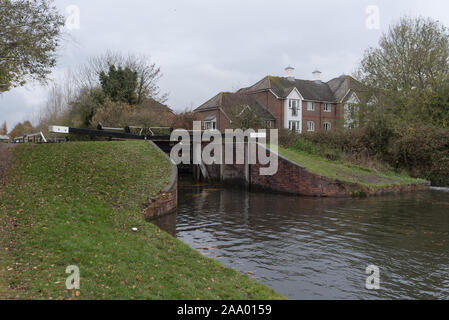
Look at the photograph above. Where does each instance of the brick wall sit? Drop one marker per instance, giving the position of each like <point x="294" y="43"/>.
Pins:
<point x="222" y="121"/>
<point x="292" y="178"/>
<point x="275" y="105"/>
<point x="319" y="116"/>
<point x="167" y="201"/>
<point x="164" y="204"/>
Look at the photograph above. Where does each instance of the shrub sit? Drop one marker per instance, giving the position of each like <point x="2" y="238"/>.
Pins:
<point x="287" y="138"/>
<point x="421" y="151"/>
<point x="120" y="115"/>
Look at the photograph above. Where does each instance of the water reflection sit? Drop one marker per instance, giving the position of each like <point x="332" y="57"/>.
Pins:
<point x="314" y="248"/>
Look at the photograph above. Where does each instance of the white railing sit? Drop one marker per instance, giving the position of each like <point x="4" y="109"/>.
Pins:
<point x="35" y="137"/>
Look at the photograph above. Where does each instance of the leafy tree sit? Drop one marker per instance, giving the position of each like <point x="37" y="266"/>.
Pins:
<point x="30" y="33"/>
<point x="21" y="129"/>
<point x="409" y="72"/>
<point x="82" y="109"/>
<point x="120" y="84"/>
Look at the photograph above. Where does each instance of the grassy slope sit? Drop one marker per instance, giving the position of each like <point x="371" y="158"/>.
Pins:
<point x="76" y="203"/>
<point x="346" y="172"/>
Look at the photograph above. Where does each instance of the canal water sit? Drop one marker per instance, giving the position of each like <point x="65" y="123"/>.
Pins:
<point x="314" y="248"/>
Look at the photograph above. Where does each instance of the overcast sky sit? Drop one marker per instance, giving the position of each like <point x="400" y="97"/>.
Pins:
<point x="204" y="47"/>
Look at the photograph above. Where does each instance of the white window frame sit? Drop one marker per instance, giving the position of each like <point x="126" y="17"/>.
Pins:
<point x="295" y="108"/>
<point x="311" y="126"/>
<point x="327" y="126"/>
<point x="297" y="123"/>
<point x="327" y="107"/>
<point x="310" y="106"/>
<point x="209" y="125"/>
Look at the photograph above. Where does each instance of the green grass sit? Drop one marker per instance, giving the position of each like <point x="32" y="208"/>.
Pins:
<point x="76" y="204"/>
<point x="346" y="172"/>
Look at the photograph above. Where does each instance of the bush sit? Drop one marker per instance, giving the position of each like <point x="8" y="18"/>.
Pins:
<point x="120" y="115"/>
<point x="287" y="138"/>
<point x="421" y="151"/>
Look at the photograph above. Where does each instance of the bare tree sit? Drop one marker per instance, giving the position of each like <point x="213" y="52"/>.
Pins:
<point x="61" y="93"/>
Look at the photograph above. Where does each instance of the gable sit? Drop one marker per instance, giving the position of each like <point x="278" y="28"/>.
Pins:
<point x="353" y="99"/>
<point x="295" y="94"/>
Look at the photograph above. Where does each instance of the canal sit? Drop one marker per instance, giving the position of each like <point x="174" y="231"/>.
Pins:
<point x="319" y="248"/>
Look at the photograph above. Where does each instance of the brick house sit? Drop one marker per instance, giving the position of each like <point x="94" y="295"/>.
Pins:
<point x="290" y="103"/>
<point x="220" y="111"/>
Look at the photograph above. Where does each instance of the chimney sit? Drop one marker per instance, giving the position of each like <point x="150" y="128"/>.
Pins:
<point x="316" y="76"/>
<point x="290" y="73"/>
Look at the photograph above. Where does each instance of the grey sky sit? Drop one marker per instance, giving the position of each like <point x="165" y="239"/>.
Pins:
<point x="204" y="47"/>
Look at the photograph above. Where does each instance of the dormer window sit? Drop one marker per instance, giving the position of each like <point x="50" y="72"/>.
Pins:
<point x="210" y="123"/>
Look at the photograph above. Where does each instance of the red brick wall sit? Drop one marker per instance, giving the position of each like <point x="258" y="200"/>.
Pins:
<point x="164" y="204"/>
<point x="167" y="201"/>
<point x="293" y="179"/>
<point x="319" y="116"/>
<point x="275" y="105"/>
<point x="222" y="121"/>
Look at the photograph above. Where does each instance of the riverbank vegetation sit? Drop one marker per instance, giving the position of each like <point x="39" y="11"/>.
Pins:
<point x="407" y="126"/>
<point x="77" y="204"/>
<point x="346" y="171"/>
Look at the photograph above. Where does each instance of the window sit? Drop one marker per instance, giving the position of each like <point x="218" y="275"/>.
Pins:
<point x="310" y="126"/>
<point x="294" y="125"/>
<point x="294" y="106"/>
<point x="327" y="126"/>
<point x="268" y="124"/>
<point x="209" y="125"/>
<point x="327" y="107"/>
<point x="310" y="106"/>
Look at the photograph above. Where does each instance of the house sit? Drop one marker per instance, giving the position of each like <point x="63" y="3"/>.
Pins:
<point x="290" y="103"/>
<point x="225" y="108"/>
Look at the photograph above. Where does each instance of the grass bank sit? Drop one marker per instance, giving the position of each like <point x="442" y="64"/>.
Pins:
<point x="345" y="171"/>
<point x="76" y="204"/>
